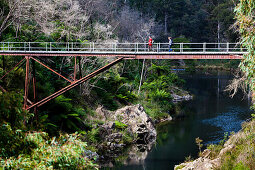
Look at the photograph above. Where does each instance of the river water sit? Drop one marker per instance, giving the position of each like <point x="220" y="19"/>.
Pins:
<point x="210" y="115"/>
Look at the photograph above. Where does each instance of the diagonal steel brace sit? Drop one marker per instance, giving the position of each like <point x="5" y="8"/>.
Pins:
<point x="74" y="84"/>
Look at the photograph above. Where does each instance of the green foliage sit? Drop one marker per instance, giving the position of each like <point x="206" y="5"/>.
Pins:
<point x="120" y="125"/>
<point x="215" y="150"/>
<point x="159" y="86"/>
<point x="241" y="166"/>
<point x="93" y="136"/>
<point x="253" y="116"/>
<point x="11" y="110"/>
<point x="245" y="22"/>
<point x="13" y="142"/>
<point x="63" y="115"/>
<point x="66" y="152"/>
<point x="179" y="167"/>
<point x="128" y="138"/>
<point x="114" y="88"/>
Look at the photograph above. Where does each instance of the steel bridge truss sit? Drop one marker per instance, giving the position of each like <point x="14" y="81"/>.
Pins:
<point x="27" y="60"/>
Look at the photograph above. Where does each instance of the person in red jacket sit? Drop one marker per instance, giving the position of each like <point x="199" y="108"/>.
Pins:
<point x="150" y="43"/>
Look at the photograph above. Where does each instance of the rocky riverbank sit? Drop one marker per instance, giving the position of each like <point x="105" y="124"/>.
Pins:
<point x="236" y="153"/>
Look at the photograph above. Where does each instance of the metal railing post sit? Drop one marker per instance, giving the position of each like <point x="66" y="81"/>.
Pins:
<point x="24" y="46"/>
<point x="227" y="46"/>
<point x="8" y="46"/>
<point x="93" y="46"/>
<point x="137" y="47"/>
<point x="181" y="47"/>
<point x="3" y="46"/>
<point x="115" y="47"/>
<point x="50" y="46"/>
<point x="159" y="46"/>
<point x="204" y="47"/>
<point x="29" y="46"/>
<point x="46" y="46"/>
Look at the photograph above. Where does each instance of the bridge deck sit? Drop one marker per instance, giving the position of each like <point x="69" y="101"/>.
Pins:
<point x="126" y="50"/>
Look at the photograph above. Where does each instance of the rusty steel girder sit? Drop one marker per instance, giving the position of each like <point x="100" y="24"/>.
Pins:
<point x="74" y="84"/>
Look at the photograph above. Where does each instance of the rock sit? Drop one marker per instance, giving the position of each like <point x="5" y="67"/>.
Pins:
<point x="177" y="98"/>
<point x="102" y="113"/>
<point x="91" y="155"/>
<point x="138" y="122"/>
<point x="226" y="149"/>
<point x="105" y="129"/>
<point x="115" y="147"/>
<point x="206" y="153"/>
<point x="165" y="119"/>
<point x="114" y="138"/>
<point x="199" y="164"/>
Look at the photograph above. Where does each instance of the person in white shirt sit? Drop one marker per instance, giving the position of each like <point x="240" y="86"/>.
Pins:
<point x="170" y="43"/>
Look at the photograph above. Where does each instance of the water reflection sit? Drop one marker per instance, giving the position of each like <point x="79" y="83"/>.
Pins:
<point x="209" y="115"/>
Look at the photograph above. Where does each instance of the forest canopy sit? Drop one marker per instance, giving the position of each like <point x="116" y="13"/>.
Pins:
<point x="121" y="20"/>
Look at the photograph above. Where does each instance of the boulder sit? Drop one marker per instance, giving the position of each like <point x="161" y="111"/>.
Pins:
<point x="178" y="98"/>
<point x="134" y="117"/>
<point x="138" y="122"/>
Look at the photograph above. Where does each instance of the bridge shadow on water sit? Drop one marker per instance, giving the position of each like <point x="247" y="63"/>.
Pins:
<point x="210" y="115"/>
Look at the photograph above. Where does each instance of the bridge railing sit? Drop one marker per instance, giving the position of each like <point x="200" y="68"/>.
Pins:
<point x="120" y="47"/>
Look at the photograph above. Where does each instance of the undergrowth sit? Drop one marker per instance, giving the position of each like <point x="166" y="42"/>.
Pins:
<point x="65" y="152"/>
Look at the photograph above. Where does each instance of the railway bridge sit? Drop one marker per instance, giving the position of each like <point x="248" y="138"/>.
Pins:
<point x="33" y="51"/>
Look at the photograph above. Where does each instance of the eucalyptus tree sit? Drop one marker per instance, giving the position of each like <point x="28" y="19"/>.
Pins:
<point x="245" y="21"/>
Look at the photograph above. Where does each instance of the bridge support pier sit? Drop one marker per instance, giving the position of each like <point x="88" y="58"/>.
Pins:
<point x="35" y="91"/>
<point x="26" y="82"/>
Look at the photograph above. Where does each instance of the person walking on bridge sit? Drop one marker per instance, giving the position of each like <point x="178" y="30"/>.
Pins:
<point x="150" y="43"/>
<point x="170" y="42"/>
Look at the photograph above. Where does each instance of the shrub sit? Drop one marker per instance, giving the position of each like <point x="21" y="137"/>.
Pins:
<point x="67" y="152"/>
<point x="13" y="142"/>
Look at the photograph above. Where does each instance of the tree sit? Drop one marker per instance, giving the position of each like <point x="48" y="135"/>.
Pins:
<point x="220" y="20"/>
<point x="8" y="13"/>
<point x="245" y="21"/>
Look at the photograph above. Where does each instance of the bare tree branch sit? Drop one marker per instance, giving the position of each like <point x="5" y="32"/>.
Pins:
<point x="7" y="20"/>
<point x="239" y="82"/>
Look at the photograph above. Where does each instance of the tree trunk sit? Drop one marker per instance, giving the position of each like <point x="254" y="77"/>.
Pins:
<point x="166" y="17"/>
<point x="141" y="79"/>
<point x="218" y="34"/>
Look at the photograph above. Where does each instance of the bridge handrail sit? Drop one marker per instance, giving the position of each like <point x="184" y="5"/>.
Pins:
<point x="119" y="47"/>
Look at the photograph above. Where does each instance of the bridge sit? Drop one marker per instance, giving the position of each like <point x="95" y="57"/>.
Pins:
<point x="31" y="51"/>
<point x="126" y="50"/>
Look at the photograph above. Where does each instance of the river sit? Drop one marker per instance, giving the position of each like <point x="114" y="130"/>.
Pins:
<point x="209" y="116"/>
